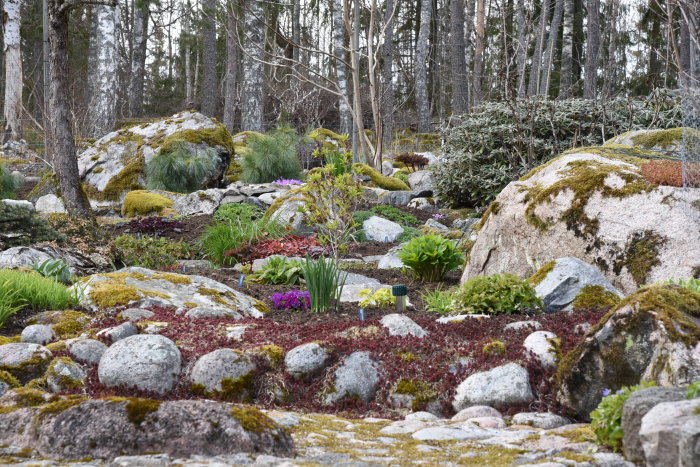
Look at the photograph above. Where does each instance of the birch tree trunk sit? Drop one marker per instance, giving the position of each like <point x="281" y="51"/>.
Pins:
<point x="231" y="68"/>
<point x="12" y="18"/>
<point x="551" y="47"/>
<point x="590" y="85"/>
<point x="468" y="45"/>
<point x="567" y="52"/>
<point x="296" y="29"/>
<point x="536" y="66"/>
<point x="460" y="84"/>
<point x="421" y="68"/>
<point x="60" y="117"/>
<point x="521" y="47"/>
<point x="103" y="82"/>
<point x="138" y="57"/>
<point x="387" y="72"/>
<point x="340" y="66"/>
<point x="189" y="95"/>
<point x="209" y="82"/>
<point x="479" y="48"/>
<point x="253" y="72"/>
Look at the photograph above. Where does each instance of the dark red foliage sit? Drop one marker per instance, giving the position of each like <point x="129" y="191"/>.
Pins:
<point x="153" y="225"/>
<point x="291" y="245"/>
<point x="664" y="172"/>
<point x="415" y="161"/>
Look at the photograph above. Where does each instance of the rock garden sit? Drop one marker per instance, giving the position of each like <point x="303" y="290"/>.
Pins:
<point x="260" y="299"/>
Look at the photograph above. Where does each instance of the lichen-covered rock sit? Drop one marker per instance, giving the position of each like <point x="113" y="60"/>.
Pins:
<point x="118" y="333"/>
<point x="542" y="345"/>
<point x="401" y="325"/>
<point x="306" y="360"/>
<point x="200" y="202"/>
<point x="105" y="429"/>
<point x="224" y="372"/>
<point x="358" y="376"/>
<point x="138" y="287"/>
<point x="503" y="385"/>
<point x="24" y="361"/>
<point x="37" y="334"/>
<point x="145" y="362"/>
<point x="64" y="375"/>
<point x="421" y="180"/>
<point x="290" y="209"/>
<point x="212" y="312"/>
<point x="667" y="140"/>
<point x="592" y="204"/>
<point x="135" y="314"/>
<point x="662" y="429"/>
<point x="653" y="335"/>
<point x="50" y="204"/>
<point x="115" y="164"/>
<point x="545" y="420"/>
<point x="87" y="351"/>
<point x="78" y="263"/>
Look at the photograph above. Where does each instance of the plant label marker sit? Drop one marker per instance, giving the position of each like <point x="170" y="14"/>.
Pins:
<point x="184" y="268"/>
<point x="400" y="292"/>
<point x="240" y="281"/>
<point x="361" y="313"/>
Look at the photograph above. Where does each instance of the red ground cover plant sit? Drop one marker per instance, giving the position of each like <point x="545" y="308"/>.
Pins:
<point x="291" y="245"/>
<point x="664" y="172"/>
<point x="442" y="360"/>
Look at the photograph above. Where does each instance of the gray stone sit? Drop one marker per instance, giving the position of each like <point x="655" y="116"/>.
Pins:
<point x="146" y="362"/>
<point x="486" y="422"/>
<point x="378" y="229"/>
<point x="539" y="344"/>
<point x="400" y="198"/>
<point x="391" y="260"/>
<point x="476" y="411"/>
<point x="422" y="180"/>
<point x="661" y="428"/>
<point x="199" y="202"/>
<point x="135" y="314"/>
<point x="404" y="427"/>
<point x="37" y="334"/>
<point x="544" y="420"/>
<point x="49" y="204"/>
<point x="306" y="360"/>
<point x="433" y="224"/>
<point x="269" y="198"/>
<point x="466" y="225"/>
<point x="357" y="376"/>
<point x="87" y="351"/>
<point x="291" y="211"/>
<point x="232" y="199"/>
<point x="401" y="325"/>
<point x="518" y="325"/>
<point x="689" y="443"/>
<point x="422" y="203"/>
<point x="118" y="333"/>
<point x="610" y="459"/>
<point x="446" y="433"/>
<point x="635" y="408"/>
<point x="78" y="263"/>
<point x="422" y="416"/>
<point x="387" y="168"/>
<point x="204" y="312"/>
<point x="24" y="361"/>
<point x="63" y="375"/>
<point x="211" y="369"/>
<point x="258" y="189"/>
<point x="503" y="385"/>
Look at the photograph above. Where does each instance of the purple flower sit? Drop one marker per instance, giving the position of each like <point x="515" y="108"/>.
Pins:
<point x="606" y="392"/>
<point x="292" y="300"/>
<point x="439" y="217"/>
<point x="288" y="181"/>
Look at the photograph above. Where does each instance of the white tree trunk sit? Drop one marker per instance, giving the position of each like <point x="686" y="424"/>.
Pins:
<point x="231" y="68"/>
<point x="521" y="46"/>
<point x="340" y="67"/>
<point x="536" y="68"/>
<point x="551" y="47"/>
<point x="13" y="68"/>
<point x="253" y="72"/>
<point x="421" y="70"/>
<point x="138" y="57"/>
<point x="103" y="80"/>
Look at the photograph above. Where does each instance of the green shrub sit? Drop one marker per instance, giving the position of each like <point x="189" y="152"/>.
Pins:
<point x="401" y="176"/>
<point x="184" y="168"/>
<point x="325" y="281"/>
<point x="20" y="288"/>
<point x="279" y="270"/>
<point x="149" y="252"/>
<point x="430" y="257"/>
<point x="57" y="269"/>
<point x="438" y="301"/>
<point x="222" y="240"/>
<point x="606" y="420"/>
<point x="500" y="141"/>
<point x="336" y="155"/>
<point x="21" y="226"/>
<point x="234" y="211"/>
<point x="690" y="284"/>
<point x="395" y="214"/>
<point x="9" y="184"/>
<point x="693" y="391"/>
<point x="271" y="157"/>
<point x="496" y="294"/>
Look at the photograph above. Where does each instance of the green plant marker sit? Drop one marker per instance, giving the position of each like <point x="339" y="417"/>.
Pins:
<point x="400" y="292"/>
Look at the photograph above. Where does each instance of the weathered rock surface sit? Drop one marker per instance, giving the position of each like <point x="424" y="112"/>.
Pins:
<point x="662" y="429"/>
<point x="609" y="219"/>
<point x="668" y="140"/>
<point x="563" y="283"/>
<point x="64" y="374"/>
<point x="306" y="360"/>
<point x="24" y="361"/>
<point x="357" y="376"/>
<point x="223" y="371"/>
<point x="118" y="333"/>
<point x="421" y="180"/>
<point x="401" y="325"/>
<point x="476" y="411"/>
<point x="139" y="287"/>
<point x="49" y="204"/>
<point x="78" y="263"/>
<point x="145" y="362"/>
<point x="37" y="334"/>
<point x="503" y="385"/>
<point x="545" y="420"/>
<point x="87" y="351"/>
<point x="378" y="229"/>
<point x="199" y="202"/>
<point x="652" y="336"/>
<point x="541" y="345"/>
<point x="212" y="312"/>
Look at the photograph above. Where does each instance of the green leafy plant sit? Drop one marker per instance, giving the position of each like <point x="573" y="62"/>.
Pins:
<point x="25" y="227"/>
<point x="409" y="233"/>
<point x="183" y="168"/>
<point x="226" y="242"/>
<point x="438" y="301"/>
<point x="693" y="391"/>
<point x="150" y="252"/>
<point x="279" y="270"/>
<point x="380" y="299"/>
<point x="606" y="420"/>
<point x="9" y="304"/>
<point x="336" y="155"/>
<point x="690" y="284"/>
<point x="9" y="184"/>
<point x="325" y="281"/>
<point x="270" y="157"/>
<point x="401" y="176"/>
<point x="395" y="214"/>
<point x="20" y="288"/>
<point x="496" y="294"/>
<point x="430" y="257"/>
<point x="234" y="211"/>
<point x="57" y="269"/>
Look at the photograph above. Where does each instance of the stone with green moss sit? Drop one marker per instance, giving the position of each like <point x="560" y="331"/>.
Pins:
<point x="379" y="180"/>
<point x="24" y="361"/>
<point x="224" y="373"/>
<point x="595" y="297"/>
<point x="670" y="139"/>
<point x="144" y="203"/>
<point x="63" y="375"/>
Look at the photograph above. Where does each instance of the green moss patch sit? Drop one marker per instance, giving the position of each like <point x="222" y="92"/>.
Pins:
<point x="641" y="255"/>
<point x="382" y="181"/>
<point x="665" y="138"/>
<point x="252" y="419"/>
<point x="143" y="203"/>
<point x="595" y="297"/>
<point x="541" y="273"/>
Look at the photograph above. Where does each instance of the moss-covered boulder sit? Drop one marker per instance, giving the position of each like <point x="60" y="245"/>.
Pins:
<point x="115" y="164"/>
<point x="668" y="140"/>
<point x="592" y="204"/>
<point x="145" y="203"/>
<point x="24" y="361"/>
<point x="653" y="335"/>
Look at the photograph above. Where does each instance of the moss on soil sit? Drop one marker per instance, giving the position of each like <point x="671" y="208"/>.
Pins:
<point x="494" y="347"/>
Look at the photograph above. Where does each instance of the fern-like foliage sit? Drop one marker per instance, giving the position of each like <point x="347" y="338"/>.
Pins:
<point x="270" y="157"/>
<point x="9" y="184"/>
<point x="183" y="169"/>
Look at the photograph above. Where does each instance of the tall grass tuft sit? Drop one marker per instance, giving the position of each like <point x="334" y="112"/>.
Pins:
<point x="19" y="288"/>
<point x="224" y="242"/>
<point x="271" y="157"/>
<point x="182" y="169"/>
<point x="325" y="281"/>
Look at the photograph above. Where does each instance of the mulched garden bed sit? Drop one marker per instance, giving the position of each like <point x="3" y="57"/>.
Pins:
<point x="188" y="229"/>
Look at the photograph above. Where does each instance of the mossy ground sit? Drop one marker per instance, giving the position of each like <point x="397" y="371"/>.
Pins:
<point x="144" y="203"/>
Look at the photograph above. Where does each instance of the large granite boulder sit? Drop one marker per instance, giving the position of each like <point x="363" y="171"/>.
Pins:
<point x="592" y="204"/>
<point x="654" y="335"/>
<point x="104" y="429"/>
<point x="670" y="434"/>
<point x="140" y="287"/>
<point x="669" y="140"/>
<point x="78" y="263"/>
<point x="115" y="163"/>
<point x="357" y="376"/>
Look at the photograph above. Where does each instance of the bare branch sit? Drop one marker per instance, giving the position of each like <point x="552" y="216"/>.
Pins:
<point x="72" y="4"/>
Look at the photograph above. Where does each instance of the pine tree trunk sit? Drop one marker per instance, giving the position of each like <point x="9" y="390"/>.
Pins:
<point x="468" y="46"/>
<point x="387" y="72"/>
<point x="210" y="88"/>
<point x="340" y="67"/>
<point x="103" y="82"/>
<point x="231" y="68"/>
<point x="138" y="57"/>
<point x="189" y="95"/>
<point x="460" y="85"/>
<point x="253" y="72"/>
<point x="480" y="46"/>
<point x="567" y="50"/>
<point x="421" y="68"/>
<point x="536" y="67"/>
<point x="296" y="29"/>
<point x="521" y="47"/>
<point x="60" y="117"/>
<point x="12" y="18"/>
<point x="551" y="47"/>
<point x="590" y="85"/>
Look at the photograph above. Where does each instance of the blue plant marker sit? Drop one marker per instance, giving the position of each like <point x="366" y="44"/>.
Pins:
<point x="184" y="268"/>
<point x="362" y="314"/>
<point x="386" y="239"/>
<point x="240" y="280"/>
